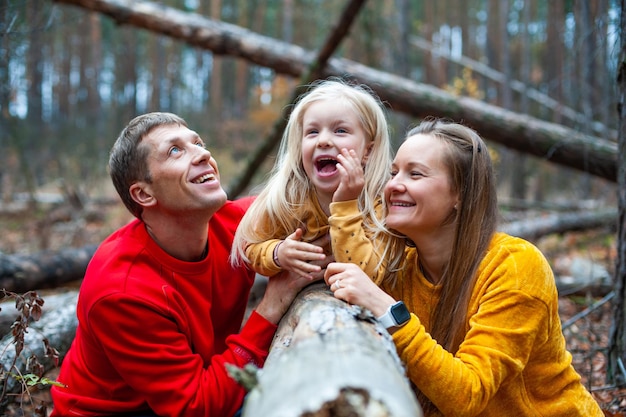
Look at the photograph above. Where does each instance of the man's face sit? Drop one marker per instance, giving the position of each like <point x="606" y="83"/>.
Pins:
<point x="185" y="177"/>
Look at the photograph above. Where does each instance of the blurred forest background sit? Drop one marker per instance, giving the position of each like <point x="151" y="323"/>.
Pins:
<point x="71" y="78"/>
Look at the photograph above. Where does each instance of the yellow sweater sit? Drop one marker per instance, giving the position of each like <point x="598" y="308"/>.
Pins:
<point x="345" y="225"/>
<point x="513" y="361"/>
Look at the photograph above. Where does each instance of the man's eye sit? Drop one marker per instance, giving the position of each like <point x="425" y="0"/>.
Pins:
<point x="174" y="150"/>
<point x="201" y="144"/>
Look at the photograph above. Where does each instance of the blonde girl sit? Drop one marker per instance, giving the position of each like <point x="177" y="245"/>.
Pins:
<point x="331" y="168"/>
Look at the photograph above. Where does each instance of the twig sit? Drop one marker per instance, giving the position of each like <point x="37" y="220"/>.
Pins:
<point x="588" y="310"/>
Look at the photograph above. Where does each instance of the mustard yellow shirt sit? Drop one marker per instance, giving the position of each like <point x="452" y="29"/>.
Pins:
<point x="513" y="361"/>
<point x="349" y="241"/>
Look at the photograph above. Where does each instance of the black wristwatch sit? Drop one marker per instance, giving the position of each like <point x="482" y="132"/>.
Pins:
<point x="397" y="315"/>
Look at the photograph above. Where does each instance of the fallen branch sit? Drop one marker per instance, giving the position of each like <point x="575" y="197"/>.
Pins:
<point x="588" y="310"/>
<point x="534" y="228"/>
<point x="552" y="142"/>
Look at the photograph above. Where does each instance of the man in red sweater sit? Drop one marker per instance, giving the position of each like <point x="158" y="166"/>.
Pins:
<point x="160" y="307"/>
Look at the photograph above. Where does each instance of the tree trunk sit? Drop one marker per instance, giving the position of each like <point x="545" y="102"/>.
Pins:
<point x="524" y="133"/>
<point x="47" y="269"/>
<point x="331" y="358"/>
<point x="617" y="347"/>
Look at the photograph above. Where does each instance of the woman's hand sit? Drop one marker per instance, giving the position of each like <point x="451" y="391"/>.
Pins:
<point x="349" y="283"/>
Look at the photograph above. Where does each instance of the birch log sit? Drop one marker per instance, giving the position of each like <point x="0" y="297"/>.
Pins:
<point x="329" y="358"/>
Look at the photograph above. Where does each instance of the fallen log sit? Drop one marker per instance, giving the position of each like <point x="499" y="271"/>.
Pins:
<point x="50" y="269"/>
<point x="549" y="141"/>
<point x="45" y="269"/>
<point x="331" y="358"/>
<point x="534" y="228"/>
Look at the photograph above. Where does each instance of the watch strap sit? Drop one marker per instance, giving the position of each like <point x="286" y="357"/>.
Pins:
<point x="397" y="315"/>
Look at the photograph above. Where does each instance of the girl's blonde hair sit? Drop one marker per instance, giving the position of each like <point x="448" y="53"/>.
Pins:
<point x="288" y="195"/>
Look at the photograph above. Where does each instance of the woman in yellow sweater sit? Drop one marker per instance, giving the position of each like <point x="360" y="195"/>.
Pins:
<point x="473" y="312"/>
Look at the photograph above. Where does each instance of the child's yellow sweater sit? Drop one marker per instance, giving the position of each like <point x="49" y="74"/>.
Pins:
<point x="513" y="361"/>
<point x="349" y="241"/>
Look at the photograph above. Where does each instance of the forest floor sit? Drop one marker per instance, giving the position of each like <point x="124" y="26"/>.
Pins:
<point x="587" y="337"/>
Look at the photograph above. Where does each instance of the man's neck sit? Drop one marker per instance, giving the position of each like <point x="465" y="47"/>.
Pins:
<point x="183" y="239"/>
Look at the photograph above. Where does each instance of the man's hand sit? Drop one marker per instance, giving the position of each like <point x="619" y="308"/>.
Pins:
<point x="280" y="292"/>
<point x="283" y="287"/>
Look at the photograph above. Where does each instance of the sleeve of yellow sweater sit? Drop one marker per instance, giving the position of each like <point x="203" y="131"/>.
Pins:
<point x="261" y="256"/>
<point x="507" y="316"/>
<point x="349" y="241"/>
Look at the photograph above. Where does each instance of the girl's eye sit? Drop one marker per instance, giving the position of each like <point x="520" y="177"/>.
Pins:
<point x="342" y="130"/>
<point x="394" y="173"/>
<point x="416" y="174"/>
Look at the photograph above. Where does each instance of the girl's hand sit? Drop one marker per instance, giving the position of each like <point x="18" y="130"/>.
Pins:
<point x="349" y="283"/>
<point x="352" y="176"/>
<point x="301" y="258"/>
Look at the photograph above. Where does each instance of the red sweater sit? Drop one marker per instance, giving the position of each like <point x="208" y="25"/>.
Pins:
<point x="155" y="332"/>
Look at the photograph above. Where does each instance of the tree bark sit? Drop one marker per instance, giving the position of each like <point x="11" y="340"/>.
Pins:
<point x="545" y="140"/>
<point x="47" y="269"/>
<point x="331" y="358"/>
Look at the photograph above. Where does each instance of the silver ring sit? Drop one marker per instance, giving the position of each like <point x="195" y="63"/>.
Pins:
<point x="337" y="284"/>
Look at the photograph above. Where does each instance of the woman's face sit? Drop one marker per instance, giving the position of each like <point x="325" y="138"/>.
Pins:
<point x="419" y="195"/>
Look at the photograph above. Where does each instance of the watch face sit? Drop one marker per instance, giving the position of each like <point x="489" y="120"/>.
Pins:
<point x="400" y="313"/>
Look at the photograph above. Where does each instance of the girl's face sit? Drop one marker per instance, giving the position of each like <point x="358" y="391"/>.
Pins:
<point x="419" y="195"/>
<point x="328" y="126"/>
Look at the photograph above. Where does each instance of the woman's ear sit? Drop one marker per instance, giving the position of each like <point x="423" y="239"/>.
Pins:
<point x="140" y="192"/>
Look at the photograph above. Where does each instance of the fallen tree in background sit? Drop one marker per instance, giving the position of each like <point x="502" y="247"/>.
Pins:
<point x="549" y="141"/>
<point x="46" y="269"/>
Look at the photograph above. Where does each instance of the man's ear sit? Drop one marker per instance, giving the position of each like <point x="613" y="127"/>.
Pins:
<point x="141" y="193"/>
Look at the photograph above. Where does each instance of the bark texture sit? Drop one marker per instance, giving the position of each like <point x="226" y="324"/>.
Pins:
<point x="331" y="358"/>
